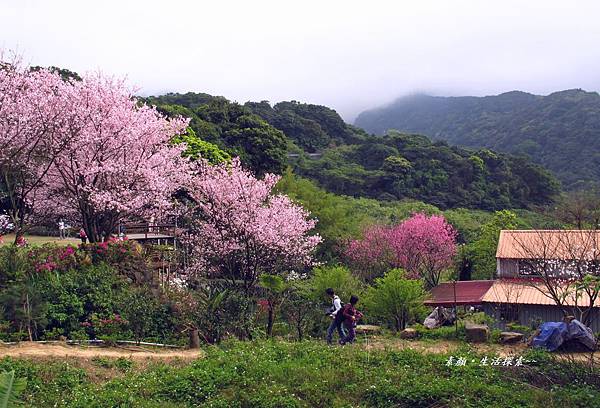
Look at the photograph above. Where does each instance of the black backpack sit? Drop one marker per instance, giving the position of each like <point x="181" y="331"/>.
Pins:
<point x="339" y="316"/>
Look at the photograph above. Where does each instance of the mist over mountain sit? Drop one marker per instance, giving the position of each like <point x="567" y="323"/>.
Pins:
<point x="560" y="131"/>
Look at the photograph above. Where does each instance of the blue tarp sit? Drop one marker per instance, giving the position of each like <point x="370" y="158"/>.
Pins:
<point x="553" y="334"/>
<point x="583" y="334"/>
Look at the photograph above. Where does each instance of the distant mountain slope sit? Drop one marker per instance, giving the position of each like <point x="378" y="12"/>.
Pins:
<point x="561" y="131"/>
<point x="351" y="162"/>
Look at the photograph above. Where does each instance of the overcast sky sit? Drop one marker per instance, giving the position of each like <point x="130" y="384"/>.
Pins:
<point x="349" y="55"/>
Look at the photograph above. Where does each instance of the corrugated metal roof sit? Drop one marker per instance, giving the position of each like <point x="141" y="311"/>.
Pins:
<point x="549" y="244"/>
<point x="467" y="293"/>
<point x="526" y="293"/>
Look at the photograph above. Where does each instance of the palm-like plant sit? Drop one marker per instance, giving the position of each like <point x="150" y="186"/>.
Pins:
<point x="275" y="287"/>
<point x="10" y="389"/>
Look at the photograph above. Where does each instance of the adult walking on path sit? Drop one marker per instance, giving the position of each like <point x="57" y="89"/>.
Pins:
<point x="336" y="316"/>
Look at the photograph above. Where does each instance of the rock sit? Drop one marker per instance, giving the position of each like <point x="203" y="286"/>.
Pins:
<point x="511" y="337"/>
<point x="408" y="333"/>
<point x="477" y="333"/>
<point x="368" y="328"/>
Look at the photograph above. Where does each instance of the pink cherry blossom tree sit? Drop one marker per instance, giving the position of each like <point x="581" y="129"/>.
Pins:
<point x="372" y="255"/>
<point x="422" y="245"/>
<point x="32" y="113"/>
<point x="242" y="230"/>
<point x="119" y="161"/>
<point x="425" y="246"/>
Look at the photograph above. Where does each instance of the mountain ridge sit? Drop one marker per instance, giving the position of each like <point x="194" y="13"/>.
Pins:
<point x="560" y="130"/>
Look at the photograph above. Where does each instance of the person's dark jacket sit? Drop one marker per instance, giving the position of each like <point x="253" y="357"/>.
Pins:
<point x="350" y="311"/>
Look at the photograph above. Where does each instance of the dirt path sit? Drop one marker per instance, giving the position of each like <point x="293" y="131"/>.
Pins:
<point x="57" y="350"/>
<point x="487" y="349"/>
<point x="443" y="346"/>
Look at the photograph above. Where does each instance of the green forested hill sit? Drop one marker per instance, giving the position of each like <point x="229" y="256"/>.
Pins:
<point x="561" y="131"/>
<point x="352" y="162"/>
<point x="402" y="166"/>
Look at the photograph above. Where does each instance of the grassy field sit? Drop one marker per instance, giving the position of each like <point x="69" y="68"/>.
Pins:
<point x="40" y="240"/>
<point x="307" y="374"/>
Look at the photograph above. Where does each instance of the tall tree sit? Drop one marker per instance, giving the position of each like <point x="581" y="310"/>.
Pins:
<point x="119" y="161"/>
<point x="32" y="130"/>
<point x="242" y="230"/>
<point x="580" y="209"/>
<point x="425" y="246"/>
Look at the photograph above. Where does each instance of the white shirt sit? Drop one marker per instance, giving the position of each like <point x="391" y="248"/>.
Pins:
<point x="337" y="305"/>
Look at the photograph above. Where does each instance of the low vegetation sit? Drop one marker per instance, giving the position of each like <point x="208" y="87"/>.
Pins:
<point x="306" y="374"/>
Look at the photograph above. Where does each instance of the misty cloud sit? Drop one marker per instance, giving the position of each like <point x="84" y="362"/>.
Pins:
<point x="350" y="55"/>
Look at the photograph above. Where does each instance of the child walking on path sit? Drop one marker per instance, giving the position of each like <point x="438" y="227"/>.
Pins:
<point x="351" y="317"/>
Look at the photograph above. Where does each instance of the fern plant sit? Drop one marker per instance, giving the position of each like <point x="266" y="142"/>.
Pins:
<point x="10" y="389"/>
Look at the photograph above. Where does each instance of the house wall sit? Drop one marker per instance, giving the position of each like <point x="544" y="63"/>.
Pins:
<point x="507" y="268"/>
<point x="513" y="268"/>
<point x="532" y="315"/>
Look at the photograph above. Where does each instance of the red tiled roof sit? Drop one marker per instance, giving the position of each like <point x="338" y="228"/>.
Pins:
<point x="467" y="293"/>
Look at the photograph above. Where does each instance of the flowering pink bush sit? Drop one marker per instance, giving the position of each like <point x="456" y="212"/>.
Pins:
<point x="107" y="329"/>
<point x="422" y="245"/>
<point x="67" y="252"/>
<point x="50" y="258"/>
<point x="113" y="251"/>
<point x="21" y="241"/>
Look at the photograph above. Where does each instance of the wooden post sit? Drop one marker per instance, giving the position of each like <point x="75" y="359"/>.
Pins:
<point x="194" y="339"/>
<point x="455" y="311"/>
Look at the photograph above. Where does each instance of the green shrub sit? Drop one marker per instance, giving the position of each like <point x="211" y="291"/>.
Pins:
<point x="526" y="330"/>
<point x="478" y="318"/>
<point x="337" y="277"/>
<point x="441" y="333"/>
<point x="495" y="335"/>
<point x="395" y="299"/>
<point x="76" y="295"/>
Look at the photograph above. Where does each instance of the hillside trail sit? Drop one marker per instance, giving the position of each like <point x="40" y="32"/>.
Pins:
<point x="57" y="350"/>
<point x="372" y="343"/>
<point x="484" y="349"/>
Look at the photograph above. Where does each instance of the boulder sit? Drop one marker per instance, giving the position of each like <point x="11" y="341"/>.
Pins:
<point x="511" y="337"/>
<point x="368" y="328"/>
<point x="408" y="333"/>
<point x="477" y="333"/>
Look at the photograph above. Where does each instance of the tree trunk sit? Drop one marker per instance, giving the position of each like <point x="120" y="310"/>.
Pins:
<point x="397" y="323"/>
<point x="28" y="314"/>
<point x="270" y="319"/>
<point x="194" y="339"/>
